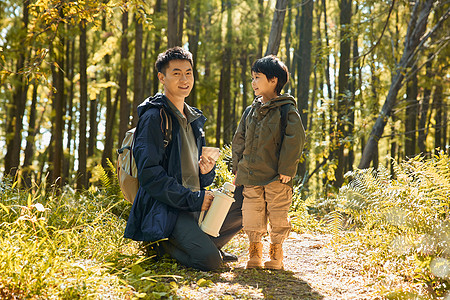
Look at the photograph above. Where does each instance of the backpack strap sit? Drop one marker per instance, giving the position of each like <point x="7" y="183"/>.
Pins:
<point x="245" y="114"/>
<point x="283" y="119"/>
<point x="166" y="126"/>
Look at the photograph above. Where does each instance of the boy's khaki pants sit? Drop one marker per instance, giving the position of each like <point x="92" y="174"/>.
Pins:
<point x="269" y="202"/>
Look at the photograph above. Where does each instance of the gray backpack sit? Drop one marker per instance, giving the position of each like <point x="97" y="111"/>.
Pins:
<point x="126" y="165"/>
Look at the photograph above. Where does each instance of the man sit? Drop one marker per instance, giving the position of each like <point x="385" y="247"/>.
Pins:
<point x="173" y="177"/>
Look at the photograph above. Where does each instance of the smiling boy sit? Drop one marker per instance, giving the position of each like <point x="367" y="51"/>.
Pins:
<point x="172" y="177"/>
<point x="266" y="150"/>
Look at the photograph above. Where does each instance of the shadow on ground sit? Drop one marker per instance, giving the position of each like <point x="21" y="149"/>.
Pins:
<point x="274" y="284"/>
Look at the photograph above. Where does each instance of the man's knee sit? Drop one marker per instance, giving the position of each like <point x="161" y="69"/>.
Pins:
<point x="207" y="260"/>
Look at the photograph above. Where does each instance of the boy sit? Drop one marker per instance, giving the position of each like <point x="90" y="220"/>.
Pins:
<point x="172" y="178"/>
<point x="265" y="156"/>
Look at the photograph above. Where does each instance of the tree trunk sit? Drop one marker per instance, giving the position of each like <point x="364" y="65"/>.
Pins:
<point x="438" y="105"/>
<point x="327" y="45"/>
<point x="138" y="79"/>
<point x="180" y="23"/>
<point x="261" y="23"/>
<point x="14" y="125"/>
<point x="304" y="70"/>
<point x="344" y="97"/>
<point x="172" y="23"/>
<point x="123" y="80"/>
<point x="416" y="29"/>
<point x="287" y="43"/>
<point x="244" y="79"/>
<point x="82" y="159"/>
<point x="157" y="46"/>
<point x="277" y="26"/>
<point x="353" y="88"/>
<point x="58" y="104"/>
<point x="29" y="149"/>
<point x="411" y="112"/>
<point x="110" y="114"/>
<point x="193" y="37"/>
<point x="424" y="108"/>
<point x="93" y="127"/>
<point x="226" y="83"/>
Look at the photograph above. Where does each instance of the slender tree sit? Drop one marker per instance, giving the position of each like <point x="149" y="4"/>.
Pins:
<point x="414" y="39"/>
<point x="411" y="113"/>
<point x="14" y="124"/>
<point x="123" y="80"/>
<point x="277" y="27"/>
<point x="82" y="132"/>
<point x="344" y="97"/>
<point x="172" y="23"/>
<point x="138" y="96"/>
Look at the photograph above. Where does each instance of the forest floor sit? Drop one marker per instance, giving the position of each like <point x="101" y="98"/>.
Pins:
<point x="313" y="270"/>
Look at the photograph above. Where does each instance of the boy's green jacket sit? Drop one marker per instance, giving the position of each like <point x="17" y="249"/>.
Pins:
<point x="258" y="157"/>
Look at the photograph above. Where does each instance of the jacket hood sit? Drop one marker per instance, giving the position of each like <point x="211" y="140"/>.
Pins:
<point x="278" y="101"/>
<point x="158" y="100"/>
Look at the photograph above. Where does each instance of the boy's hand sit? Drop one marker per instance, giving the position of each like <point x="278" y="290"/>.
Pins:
<point x="206" y="164"/>
<point x="285" y="178"/>
<point x="207" y="200"/>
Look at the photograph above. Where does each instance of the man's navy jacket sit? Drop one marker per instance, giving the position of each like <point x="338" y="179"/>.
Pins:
<point x="161" y="194"/>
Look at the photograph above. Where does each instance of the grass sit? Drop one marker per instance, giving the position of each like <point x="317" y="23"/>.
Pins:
<point x="64" y="245"/>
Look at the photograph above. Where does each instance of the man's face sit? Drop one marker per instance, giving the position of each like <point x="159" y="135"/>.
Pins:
<point x="178" y="80"/>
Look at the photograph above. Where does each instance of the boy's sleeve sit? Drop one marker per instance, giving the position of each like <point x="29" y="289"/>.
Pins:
<point x="238" y="143"/>
<point x="293" y="142"/>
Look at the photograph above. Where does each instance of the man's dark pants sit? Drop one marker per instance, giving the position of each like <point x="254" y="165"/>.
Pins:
<point x="190" y="246"/>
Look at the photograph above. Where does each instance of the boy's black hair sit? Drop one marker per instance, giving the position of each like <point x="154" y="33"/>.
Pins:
<point x="272" y="67"/>
<point x="172" y="54"/>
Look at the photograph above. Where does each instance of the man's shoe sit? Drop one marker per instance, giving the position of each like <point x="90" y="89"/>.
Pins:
<point x="228" y="257"/>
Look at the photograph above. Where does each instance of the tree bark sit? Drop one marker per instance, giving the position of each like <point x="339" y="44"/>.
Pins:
<point x="14" y="125"/>
<point x="411" y="113"/>
<point x="344" y="97"/>
<point x="277" y="26"/>
<point x="226" y="83"/>
<point x="180" y="23"/>
<point x="93" y="127"/>
<point x="82" y="159"/>
<point x="194" y="37"/>
<point x="29" y="149"/>
<point x="172" y="23"/>
<point x="438" y="105"/>
<point x="110" y="114"/>
<point x="424" y="108"/>
<point x="123" y="80"/>
<point x="304" y="70"/>
<point x="260" y="28"/>
<point x="287" y="43"/>
<point x="157" y="46"/>
<point x="58" y="107"/>
<point x="416" y="29"/>
<point x="138" y="95"/>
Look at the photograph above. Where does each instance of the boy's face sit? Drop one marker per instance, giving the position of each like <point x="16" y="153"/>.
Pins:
<point x="264" y="87"/>
<point x="178" y="79"/>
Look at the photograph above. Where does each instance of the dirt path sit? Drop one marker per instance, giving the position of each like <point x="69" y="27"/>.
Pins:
<point x="312" y="271"/>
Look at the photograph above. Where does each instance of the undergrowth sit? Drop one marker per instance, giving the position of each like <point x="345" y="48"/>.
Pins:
<point x="59" y="244"/>
<point x="399" y="225"/>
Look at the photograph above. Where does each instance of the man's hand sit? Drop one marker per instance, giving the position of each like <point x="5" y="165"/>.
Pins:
<point x="209" y="196"/>
<point x="206" y="164"/>
<point x="285" y="178"/>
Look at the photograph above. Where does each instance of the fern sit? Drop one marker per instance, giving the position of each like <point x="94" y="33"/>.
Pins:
<point x="405" y="217"/>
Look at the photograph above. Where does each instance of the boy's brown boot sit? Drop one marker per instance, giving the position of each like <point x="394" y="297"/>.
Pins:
<point x="276" y="257"/>
<point x="255" y="255"/>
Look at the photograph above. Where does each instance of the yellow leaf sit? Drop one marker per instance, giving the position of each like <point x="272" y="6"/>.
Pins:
<point x="29" y="201"/>
<point x="4" y="208"/>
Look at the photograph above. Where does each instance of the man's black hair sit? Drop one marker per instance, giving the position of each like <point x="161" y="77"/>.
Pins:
<point x="272" y="67"/>
<point x="172" y="54"/>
